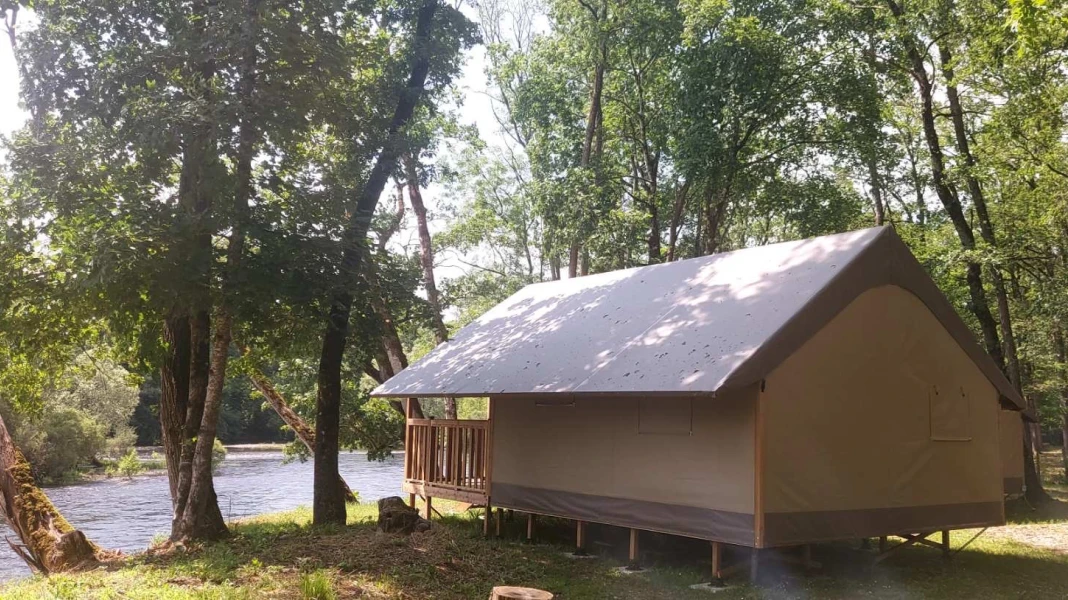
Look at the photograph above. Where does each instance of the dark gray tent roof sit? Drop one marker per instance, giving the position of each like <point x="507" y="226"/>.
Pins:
<point x="688" y="327"/>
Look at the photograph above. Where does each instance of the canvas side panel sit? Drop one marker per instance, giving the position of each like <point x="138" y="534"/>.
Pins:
<point x="868" y="415"/>
<point x="594" y="446"/>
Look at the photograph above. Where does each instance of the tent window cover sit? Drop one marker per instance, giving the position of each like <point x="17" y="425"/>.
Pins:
<point x="950" y="414"/>
<point x="665" y="416"/>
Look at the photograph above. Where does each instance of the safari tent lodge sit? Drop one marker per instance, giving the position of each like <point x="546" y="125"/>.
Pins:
<point x="782" y="395"/>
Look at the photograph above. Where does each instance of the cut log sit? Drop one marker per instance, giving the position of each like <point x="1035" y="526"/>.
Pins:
<point x="507" y="592"/>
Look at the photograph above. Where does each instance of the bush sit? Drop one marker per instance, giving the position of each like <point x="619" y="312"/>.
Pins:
<point x="218" y="453"/>
<point x="127" y="466"/>
<point x="60" y="440"/>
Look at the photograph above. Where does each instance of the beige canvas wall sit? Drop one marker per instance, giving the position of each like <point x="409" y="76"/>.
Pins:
<point x="631" y="448"/>
<point x="881" y="409"/>
<point x="1012" y="451"/>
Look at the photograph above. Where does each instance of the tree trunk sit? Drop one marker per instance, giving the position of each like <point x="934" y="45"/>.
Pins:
<point x="593" y="121"/>
<point x="426" y="257"/>
<point x="201" y="490"/>
<point x="303" y="431"/>
<point x="1062" y="371"/>
<point x="876" y="191"/>
<point x="718" y="200"/>
<point x="49" y="543"/>
<point x="174" y="395"/>
<point x="947" y="196"/>
<point x="1035" y="492"/>
<point x="676" y="219"/>
<point x="328" y="505"/>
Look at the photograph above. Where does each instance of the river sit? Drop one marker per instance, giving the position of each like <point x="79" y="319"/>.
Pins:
<point x="126" y="514"/>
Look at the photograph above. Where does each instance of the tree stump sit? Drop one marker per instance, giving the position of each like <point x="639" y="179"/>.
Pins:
<point x="394" y="516"/>
<point x="507" y="592"/>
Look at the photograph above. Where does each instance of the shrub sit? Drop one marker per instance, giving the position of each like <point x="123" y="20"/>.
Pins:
<point x="60" y="440"/>
<point x="127" y="466"/>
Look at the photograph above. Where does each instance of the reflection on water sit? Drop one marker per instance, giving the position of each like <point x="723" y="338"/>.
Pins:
<point x="127" y="514"/>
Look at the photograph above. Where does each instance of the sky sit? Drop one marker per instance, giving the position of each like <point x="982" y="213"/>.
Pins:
<point x="477" y="109"/>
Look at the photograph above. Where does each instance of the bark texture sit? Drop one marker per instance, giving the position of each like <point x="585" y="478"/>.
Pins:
<point x="328" y="505"/>
<point x="426" y="258"/>
<point x="48" y="543"/>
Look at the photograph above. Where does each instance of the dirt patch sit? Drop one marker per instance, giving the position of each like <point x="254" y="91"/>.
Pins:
<point x="1045" y="536"/>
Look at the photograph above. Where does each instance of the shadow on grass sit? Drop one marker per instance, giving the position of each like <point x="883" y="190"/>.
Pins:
<point x="454" y="561"/>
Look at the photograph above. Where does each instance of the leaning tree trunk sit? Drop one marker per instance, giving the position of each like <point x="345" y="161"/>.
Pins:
<point x="328" y="504"/>
<point x="303" y="431"/>
<point x="1035" y="491"/>
<point x="48" y="542"/>
<point x="947" y="195"/>
<point x="426" y="258"/>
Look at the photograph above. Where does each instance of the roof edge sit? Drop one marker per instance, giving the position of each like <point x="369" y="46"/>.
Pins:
<point x="886" y="260"/>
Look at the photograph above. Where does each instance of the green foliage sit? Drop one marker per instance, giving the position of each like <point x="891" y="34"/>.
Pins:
<point x="218" y="454"/>
<point x="127" y="466"/>
<point x="59" y="441"/>
<point x="317" y="585"/>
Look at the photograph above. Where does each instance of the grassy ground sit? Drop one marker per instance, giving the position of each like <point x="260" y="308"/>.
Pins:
<point x="281" y="556"/>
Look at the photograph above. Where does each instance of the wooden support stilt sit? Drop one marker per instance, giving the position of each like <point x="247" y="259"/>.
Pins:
<point x="486" y="521"/>
<point x="882" y="544"/>
<point x="806" y="557"/>
<point x="429" y="508"/>
<point x="411" y="500"/>
<point x="530" y="527"/>
<point x="717" y="564"/>
<point x="865" y="544"/>
<point x="632" y="554"/>
<point x="945" y="544"/>
<point x="754" y="565"/>
<point x="580" y="538"/>
<point x="500" y="512"/>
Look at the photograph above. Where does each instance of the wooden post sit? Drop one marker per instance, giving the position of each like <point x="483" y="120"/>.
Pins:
<point x="806" y="556"/>
<point x="580" y="538"/>
<point x="489" y="447"/>
<point x="717" y="564"/>
<point x="486" y="521"/>
<point x="500" y="512"/>
<point x="754" y="564"/>
<point x="758" y="467"/>
<point x="429" y="508"/>
<point x="411" y="500"/>
<point x="945" y="544"/>
<point x="882" y="543"/>
<point x="530" y="527"/>
<point x="632" y="555"/>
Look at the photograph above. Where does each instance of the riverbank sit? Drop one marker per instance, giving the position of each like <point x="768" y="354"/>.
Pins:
<point x="282" y="556"/>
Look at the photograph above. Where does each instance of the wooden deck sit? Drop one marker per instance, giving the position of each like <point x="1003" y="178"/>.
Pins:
<point x="448" y="459"/>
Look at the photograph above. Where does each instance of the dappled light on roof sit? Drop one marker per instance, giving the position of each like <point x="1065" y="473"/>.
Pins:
<point x="680" y="327"/>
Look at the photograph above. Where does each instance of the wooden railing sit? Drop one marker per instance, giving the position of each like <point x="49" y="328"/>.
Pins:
<point x="448" y="459"/>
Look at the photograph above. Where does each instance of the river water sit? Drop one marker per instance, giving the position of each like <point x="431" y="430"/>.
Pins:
<point x="125" y="514"/>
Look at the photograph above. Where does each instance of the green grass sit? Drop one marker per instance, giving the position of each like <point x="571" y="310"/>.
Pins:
<point x="281" y="556"/>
